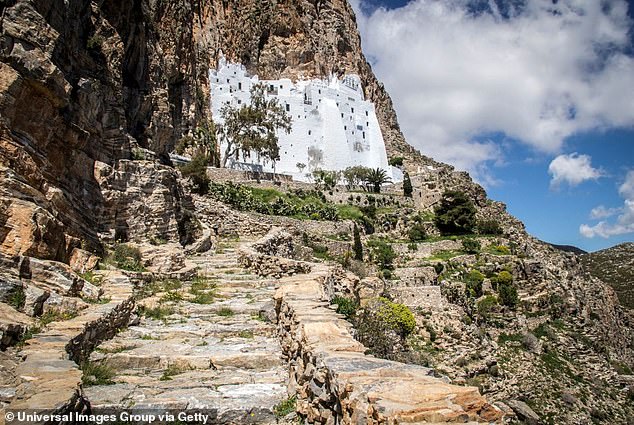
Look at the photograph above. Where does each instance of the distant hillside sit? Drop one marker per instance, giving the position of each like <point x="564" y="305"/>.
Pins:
<point x="614" y="266"/>
<point x="569" y="248"/>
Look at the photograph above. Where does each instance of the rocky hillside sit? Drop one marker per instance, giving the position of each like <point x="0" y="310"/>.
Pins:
<point x="614" y="266"/>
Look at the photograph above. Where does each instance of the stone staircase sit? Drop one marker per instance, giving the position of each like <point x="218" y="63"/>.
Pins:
<point x="222" y="357"/>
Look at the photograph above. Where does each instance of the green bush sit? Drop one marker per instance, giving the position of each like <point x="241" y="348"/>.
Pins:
<point x="412" y="246"/>
<point x="396" y="161"/>
<point x="357" y="245"/>
<point x="96" y="374"/>
<point x="127" y="257"/>
<point x="346" y="306"/>
<point x="17" y="298"/>
<point x="196" y="171"/>
<point x="471" y="246"/>
<point x="508" y="294"/>
<point x="382" y="254"/>
<point x="407" y="186"/>
<point x="489" y="227"/>
<point x="485" y="305"/>
<point x="417" y="233"/>
<point x="456" y="214"/>
<point x="397" y="316"/>
<point x="474" y="283"/>
<point x="502" y="278"/>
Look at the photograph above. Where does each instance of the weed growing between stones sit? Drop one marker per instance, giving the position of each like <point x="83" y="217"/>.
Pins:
<point x="285" y="407"/>
<point x="96" y="374"/>
<point x="172" y="370"/>
<point x="225" y="312"/>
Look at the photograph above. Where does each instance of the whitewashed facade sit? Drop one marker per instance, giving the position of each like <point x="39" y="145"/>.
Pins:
<point x="333" y="127"/>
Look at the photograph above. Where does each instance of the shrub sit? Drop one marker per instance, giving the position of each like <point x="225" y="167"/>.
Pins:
<point x="455" y="214"/>
<point x="489" y="227"/>
<point x="508" y="294"/>
<point x="502" y="278"/>
<point x="412" y="246"/>
<point x="158" y="313"/>
<point x="358" y="246"/>
<point x="382" y="254"/>
<point x="474" y="284"/>
<point x="17" y="298"/>
<point x="485" y="305"/>
<point x="396" y="161"/>
<point x="471" y="246"/>
<point x="346" y="306"/>
<point x="196" y="171"/>
<point x="383" y="325"/>
<point x="407" y="186"/>
<point x="127" y="257"/>
<point x="417" y="233"/>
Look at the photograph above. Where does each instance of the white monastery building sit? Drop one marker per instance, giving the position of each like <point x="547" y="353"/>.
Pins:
<point x="333" y="127"/>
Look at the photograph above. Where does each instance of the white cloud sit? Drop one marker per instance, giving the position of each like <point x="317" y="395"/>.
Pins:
<point x="541" y="75"/>
<point x="624" y="223"/>
<point x="572" y="169"/>
<point x="601" y="211"/>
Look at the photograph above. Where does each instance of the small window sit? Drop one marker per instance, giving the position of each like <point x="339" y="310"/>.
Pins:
<point x="288" y="107"/>
<point x="345" y="128"/>
<point x="308" y="134"/>
<point x="352" y="109"/>
<point x="239" y="86"/>
<point x="342" y="115"/>
<point x="239" y="101"/>
<point x="366" y="113"/>
<point x="227" y="80"/>
<point x="281" y="86"/>
<point x="319" y="91"/>
<point x="364" y="134"/>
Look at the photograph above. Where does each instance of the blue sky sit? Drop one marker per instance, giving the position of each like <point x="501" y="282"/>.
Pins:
<point x="534" y="97"/>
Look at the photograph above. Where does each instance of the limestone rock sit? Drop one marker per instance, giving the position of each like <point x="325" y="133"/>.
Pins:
<point x="82" y="261"/>
<point x="524" y="412"/>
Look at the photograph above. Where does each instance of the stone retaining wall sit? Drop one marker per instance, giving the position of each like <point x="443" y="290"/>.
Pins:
<point x="335" y="382"/>
<point x="264" y="257"/>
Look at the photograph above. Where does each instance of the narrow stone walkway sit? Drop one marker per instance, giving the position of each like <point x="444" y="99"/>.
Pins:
<point x="220" y="355"/>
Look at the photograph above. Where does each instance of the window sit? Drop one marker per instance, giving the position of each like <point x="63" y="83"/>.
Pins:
<point x="352" y="109"/>
<point x="308" y="134"/>
<point x="227" y="80"/>
<point x="366" y="113"/>
<point x="239" y="86"/>
<point x="288" y="107"/>
<point x="345" y="128"/>
<point x="364" y="134"/>
<point x="239" y="101"/>
<point x="342" y="115"/>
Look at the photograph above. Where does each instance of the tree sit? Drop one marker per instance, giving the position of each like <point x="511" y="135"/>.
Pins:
<point x="407" y="186"/>
<point x="376" y="178"/>
<point x="358" y="246"/>
<point x="300" y="166"/>
<point x="355" y="175"/>
<point x="327" y="179"/>
<point x="253" y="127"/>
<point x="382" y="254"/>
<point x="455" y="214"/>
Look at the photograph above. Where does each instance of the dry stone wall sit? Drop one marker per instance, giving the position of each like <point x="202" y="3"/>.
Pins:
<point x="336" y="382"/>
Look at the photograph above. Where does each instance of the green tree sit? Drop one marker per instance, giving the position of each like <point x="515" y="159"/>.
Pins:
<point x="508" y="294"/>
<point x="407" y="186"/>
<point x="355" y="175"/>
<point x="382" y="254"/>
<point x="196" y="171"/>
<point x="376" y="178"/>
<point x="455" y="214"/>
<point x="327" y="179"/>
<point x="358" y="246"/>
<point x="253" y="127"/>
<point x="471" y="246"/>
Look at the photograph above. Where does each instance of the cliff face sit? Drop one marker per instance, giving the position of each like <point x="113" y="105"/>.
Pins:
<point x="84" y="83"/>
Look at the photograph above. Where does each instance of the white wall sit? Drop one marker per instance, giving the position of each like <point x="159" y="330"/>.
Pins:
<point x="333" y="127"/>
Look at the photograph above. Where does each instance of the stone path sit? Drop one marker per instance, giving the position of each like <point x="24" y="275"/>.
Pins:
<point x="221" y="357"/>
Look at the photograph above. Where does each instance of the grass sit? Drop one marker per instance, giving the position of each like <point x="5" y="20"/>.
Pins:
<point x="285" y="407"/>
<point x="503" y="338"/>
<point x="444" y="255"/>
<point x="148" y="337"/>
<point x="96" y="374"/>
<point x="246" y="334"/>
<point x="28" y="335"/>
<point x="115" y="350"/>
<point x="157" y="286"/>
<point x="172" y="370"/>
<point x="172" y="296"/>
<point x="203" y="298"/>
<point x="225" y="312"/>
<point x="17" y="298"/>
<point x="349" y="212"/>
<point x="56" y="316"/>
<point x="92" y="277"/>
<point x="159" y="312"/>
<point x="202" y="290"/>
<point x="97" y="300"/>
